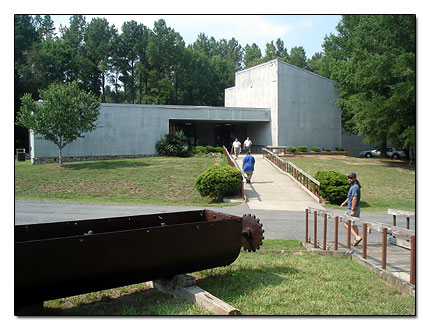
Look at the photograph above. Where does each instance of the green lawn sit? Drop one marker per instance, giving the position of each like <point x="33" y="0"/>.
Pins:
<point x="156" y="180"/>
<point x="385" y="183"/>
<point x="260" y="283"/>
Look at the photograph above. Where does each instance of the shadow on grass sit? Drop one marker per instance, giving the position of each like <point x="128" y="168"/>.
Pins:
<point x="228" y="286"/>
<point x="396" y="163"/>
<point x="112" y="164"/>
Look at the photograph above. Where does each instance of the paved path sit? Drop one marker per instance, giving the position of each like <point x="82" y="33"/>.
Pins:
<point x="273" y="190"/>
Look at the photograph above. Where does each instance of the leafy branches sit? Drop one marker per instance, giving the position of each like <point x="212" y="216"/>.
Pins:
<point x="64" y="114"/>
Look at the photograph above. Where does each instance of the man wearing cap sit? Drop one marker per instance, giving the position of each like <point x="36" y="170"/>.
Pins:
<point x="353" y="205"/>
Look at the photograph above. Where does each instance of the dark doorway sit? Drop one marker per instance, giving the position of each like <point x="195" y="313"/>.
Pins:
<point x="226" y="133"/>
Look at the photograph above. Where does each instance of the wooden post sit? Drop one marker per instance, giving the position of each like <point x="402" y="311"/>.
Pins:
<point x="364" y="241"/>
<point x="413" y="260"/>
<point x="182" y="286"/>
<point x="306" y="225"/>
<point x="336" y="233"/>
<point x="394" y="220"/>
<point x="315" y="229"/>
<point x="325" y="224"/>
<point x="384" y="234"/>
<point x="349" y="234"/>
<point x="407" y="223"/>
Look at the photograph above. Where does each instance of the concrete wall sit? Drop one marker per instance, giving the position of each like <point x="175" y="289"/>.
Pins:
<point x="128" y="130"/>
<point x="302" y="103"/>
<point x="307" y="112"/>
<point x="257" y="87"/>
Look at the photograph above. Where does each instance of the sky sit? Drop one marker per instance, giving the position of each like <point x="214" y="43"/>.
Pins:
<point x="307" y="31"/>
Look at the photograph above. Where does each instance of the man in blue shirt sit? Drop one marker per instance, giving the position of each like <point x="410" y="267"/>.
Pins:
<point x="353" y="205"/>
<point x="248" y="166"/>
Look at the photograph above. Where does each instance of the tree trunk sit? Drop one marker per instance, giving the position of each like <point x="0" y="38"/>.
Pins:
<point x="60" y="155"/>
<point x="383" y="149"/>
<point x="103" y="86"/>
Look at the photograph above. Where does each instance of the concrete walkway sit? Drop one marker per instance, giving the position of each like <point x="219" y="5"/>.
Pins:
<point x="273" y="190"/>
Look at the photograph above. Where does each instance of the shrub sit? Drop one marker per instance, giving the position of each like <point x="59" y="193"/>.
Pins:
<point x="218" y="181"/>
<point x="209" y="148"/>
<point x="315" y="149"/>
<point x="326" y="149"/>
<point x="333" y="185"/>
<point x="292" y="149"/>
<point x="174" y="145"/>
<point x="199" y="149"/>
<point x="339" y="148"/>
<point x="218" y="149"/>
<point x="302" y="149"/>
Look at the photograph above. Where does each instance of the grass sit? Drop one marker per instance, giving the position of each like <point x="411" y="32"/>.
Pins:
<point x="386" y="183"/>
<point x="260" y="283"/>
<point x="156" y="180"/>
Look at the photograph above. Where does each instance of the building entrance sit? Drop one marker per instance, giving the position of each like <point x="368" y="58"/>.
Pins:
<point x="210" y="133"/>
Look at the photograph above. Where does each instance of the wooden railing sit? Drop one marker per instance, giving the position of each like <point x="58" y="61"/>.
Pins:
<point x="384" y="229"/>
<point x="233" y="163"/>
<point x="309" y="183"/>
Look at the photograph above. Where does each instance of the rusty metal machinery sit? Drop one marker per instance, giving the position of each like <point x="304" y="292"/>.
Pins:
<point x="55" y="260"/>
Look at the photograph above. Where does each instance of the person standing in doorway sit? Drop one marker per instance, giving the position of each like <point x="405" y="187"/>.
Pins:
<point x="353" y="205"/>
<point x="236" y="148"/>
<point x="247" y="144"/>
<point x="248" y="166"/>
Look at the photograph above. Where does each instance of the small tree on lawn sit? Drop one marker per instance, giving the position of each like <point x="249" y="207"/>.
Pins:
<point x="64" y="113"/>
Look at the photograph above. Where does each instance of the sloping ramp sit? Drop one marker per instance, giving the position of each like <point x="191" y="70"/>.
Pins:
<point x="273" y="190"/>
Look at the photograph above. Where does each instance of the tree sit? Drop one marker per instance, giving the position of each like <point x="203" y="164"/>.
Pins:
<point x="45" y="27"/>
<point x="73" y="37"/>
<point x="297" y="57"/>
<point x="281" y="51"/>
<point x="25" y="37"/>
<point x="252" y="55"/>
<point x="96" y="52"/>
<point x="373" y="60"/>
<point x="63" y="115"/>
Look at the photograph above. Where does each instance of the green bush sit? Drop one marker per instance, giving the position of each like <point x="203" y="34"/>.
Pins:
<point x="209" y="148"/>
<point x="174" y="145"/>
<point x="292" y="149"/>
<point x="302" y="149"/>
<point x="326" y="149"/>
<point x="218" y="181"/>
<point x="315" y="149"/>
<point x="339" y="148"/>
<point x="333" y="185"/>
<point x="199" y="149"/>
<point x="218" y="149"/>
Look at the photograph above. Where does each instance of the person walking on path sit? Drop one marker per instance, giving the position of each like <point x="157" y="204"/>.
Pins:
<point x="236" y="148"/>
<point x="247" y="144"/>
<point x="353" y="205"/>
<point x="248" y="166"/>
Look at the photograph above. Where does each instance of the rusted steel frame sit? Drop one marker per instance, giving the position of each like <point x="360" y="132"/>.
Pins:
<point x="336" y="233"/>
<point x="315" y="230"/>
<point x="413" y="260"/>
<point x="384" y="237"/>
<point x="325" y="228"/>
<point x="55" y="260"/>
<point x="349" y="234"/>
<point x="306" y="225"/>
<point x="364" y="241"/>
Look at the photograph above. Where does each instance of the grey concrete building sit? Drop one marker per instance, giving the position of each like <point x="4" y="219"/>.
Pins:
<point x="302" y="103"/>
<point x="274" y="103"/>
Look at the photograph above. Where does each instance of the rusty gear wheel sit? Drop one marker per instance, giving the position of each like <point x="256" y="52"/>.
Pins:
<point x="252" y="233"/>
